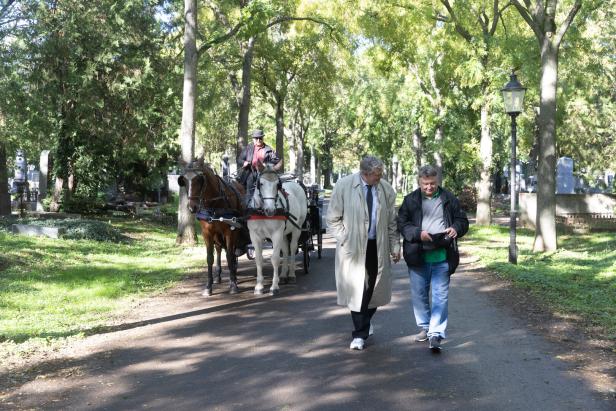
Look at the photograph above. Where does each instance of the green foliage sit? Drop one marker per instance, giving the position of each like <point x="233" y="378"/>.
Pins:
<point x="95" y="84"/>
<point x="579" y="279"/>
<point x="79" y="204"/>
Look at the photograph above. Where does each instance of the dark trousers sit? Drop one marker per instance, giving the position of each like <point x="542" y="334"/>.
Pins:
<point x="249" y="180"/>
<point x="361" y="319"/>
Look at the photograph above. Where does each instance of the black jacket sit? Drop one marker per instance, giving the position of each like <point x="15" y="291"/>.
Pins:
<point x="409" y="224"/>
<point x="270" y="155"/>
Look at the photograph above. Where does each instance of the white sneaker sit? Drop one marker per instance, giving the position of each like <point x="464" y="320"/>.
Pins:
<point x="357" y="344"/>
<point x="371" y="331"/>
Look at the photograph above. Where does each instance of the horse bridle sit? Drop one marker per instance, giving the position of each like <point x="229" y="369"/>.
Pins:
<point x="278" y="188"/>
<point x="200" y="197"/>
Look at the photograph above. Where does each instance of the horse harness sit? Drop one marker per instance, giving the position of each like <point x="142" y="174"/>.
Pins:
<point x="284" y="211"/>
<point x="227" y="215"/>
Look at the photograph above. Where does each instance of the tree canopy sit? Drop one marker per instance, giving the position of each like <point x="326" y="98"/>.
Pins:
<point x="411" y="81"/>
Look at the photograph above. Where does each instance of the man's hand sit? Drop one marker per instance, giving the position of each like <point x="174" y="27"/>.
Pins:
<point x="451" y="232"/>
<point x="425" y="236"/>
<point x="246" y="164"/>
<point x="395" y="257"/>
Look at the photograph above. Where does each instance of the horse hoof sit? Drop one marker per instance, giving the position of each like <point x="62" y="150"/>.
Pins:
<point x="291" y="280"/>
<point x="275" y="291"/>
<point x="258" y="292"/>
<point x="284" y="280"/>
<point x="233" y="289"/>
<point x="207" y="292"/>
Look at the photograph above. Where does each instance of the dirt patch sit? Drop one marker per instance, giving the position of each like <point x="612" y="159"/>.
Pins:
<point x="587" y="349"/>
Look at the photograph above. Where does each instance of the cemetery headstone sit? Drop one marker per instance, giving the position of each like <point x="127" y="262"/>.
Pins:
<point x="565" y="183"/>
<point x="43" y="176"/>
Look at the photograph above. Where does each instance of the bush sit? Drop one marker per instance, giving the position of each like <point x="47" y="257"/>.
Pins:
<point x="6" y="222"/>
<point x="83" y="205"/>
<point x="468" y="199"/>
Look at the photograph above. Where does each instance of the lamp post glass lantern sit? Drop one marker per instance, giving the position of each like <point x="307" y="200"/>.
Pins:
<point x="513" y="97"/>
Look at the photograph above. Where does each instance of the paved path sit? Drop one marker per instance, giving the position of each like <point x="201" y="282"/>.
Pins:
<point x="291" y="353"/>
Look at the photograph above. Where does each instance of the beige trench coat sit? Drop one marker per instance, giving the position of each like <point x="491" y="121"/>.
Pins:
<point x="347" y="218"/>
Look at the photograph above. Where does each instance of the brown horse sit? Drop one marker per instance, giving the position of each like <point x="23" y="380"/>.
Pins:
<point x="218" y="205"/>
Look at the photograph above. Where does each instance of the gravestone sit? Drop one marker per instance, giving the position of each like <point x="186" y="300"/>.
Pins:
<point x="43" y="176"/>
<point x="38" y="231"/>
<point x="565" y="183"/>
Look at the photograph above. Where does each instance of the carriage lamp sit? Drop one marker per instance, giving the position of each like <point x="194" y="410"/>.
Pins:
<point x="513" y="98"/>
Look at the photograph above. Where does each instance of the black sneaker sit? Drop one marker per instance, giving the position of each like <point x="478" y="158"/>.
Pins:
<point x="435" y="343"/>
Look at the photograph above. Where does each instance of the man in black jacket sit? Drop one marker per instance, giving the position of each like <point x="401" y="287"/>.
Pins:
<point x="430" y="221"/>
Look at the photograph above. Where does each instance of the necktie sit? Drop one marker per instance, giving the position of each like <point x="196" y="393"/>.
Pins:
<point x="369" y="201"/>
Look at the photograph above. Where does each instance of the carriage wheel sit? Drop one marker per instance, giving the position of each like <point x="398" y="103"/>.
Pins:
<point x="319" y="233"/>
<point x="306" y="256"/>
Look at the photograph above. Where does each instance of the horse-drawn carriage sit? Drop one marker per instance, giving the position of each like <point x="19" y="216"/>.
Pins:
<point x="312" y="231"/>
<point x="282" y="211"/>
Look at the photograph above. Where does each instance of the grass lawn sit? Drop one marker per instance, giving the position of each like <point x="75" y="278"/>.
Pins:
<point x="579" y="279"/>
<point x="50" y="289"/>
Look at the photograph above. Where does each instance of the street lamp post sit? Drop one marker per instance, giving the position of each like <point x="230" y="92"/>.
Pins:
<point x="513" y="96"/>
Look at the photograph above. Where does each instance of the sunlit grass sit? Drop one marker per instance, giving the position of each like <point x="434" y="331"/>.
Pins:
<point x="59" y="288"/>
<point x="578" y="279"/>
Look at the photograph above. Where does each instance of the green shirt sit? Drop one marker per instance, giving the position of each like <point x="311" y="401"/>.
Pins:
<point x="437" y="255"/>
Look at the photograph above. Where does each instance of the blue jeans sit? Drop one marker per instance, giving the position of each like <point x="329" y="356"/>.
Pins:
<point x="433" y="276"/>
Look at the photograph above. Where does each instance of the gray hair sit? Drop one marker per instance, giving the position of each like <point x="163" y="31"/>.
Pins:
<point x="369" y="164"/>
<point x="427" y="171"/>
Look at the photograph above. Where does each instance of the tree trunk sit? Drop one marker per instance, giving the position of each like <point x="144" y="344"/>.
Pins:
<point x="293" y="153"/>
<point x="299" y="168"/>
<point x="484" y="195"/>
<point x="280" y="129"/>
<point x="244" y="104"/>
<point x="418" y="148"/>
<point x="56" y="198"/>
<point x="438" y="154"/>
<point x="399" y="176"/>
<point x="545" y="234"/>
<point x="186" y="222"/>
<point x="318" y="176"/>
<point x="72" y="182"/>
<point x="326" y="160"/>
<point x="313" y="166"/>
<point x="533" y="156"/>
<point x="5" y="198"/>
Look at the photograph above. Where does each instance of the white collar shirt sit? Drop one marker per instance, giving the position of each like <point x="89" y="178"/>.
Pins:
<point x="375" y="206"/>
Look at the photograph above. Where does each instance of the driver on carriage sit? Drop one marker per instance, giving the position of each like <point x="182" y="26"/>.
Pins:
<point x="254" y="154"/>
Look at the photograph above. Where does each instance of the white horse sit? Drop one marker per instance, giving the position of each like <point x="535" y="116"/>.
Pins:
<point x="284" y="208"/>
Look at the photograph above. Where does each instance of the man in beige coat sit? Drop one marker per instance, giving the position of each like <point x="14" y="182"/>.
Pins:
<point x="361" y="216"/>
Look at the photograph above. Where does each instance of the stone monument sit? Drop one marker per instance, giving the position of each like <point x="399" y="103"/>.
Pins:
<point x="565" y="183"/>
<point x="43" y="177"/>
